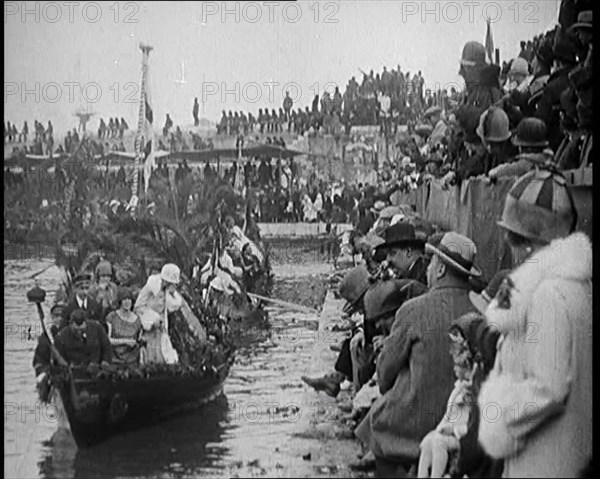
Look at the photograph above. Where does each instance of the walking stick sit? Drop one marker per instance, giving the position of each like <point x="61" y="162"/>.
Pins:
<point x="37" y="295"/>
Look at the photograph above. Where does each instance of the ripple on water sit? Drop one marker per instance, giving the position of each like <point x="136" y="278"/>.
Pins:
<point x="245" y="433"/>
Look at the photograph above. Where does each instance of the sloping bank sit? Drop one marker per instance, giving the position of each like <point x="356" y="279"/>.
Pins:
<point x="474" y="208"/>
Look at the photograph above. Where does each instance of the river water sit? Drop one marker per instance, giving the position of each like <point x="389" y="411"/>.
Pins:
<point x="267" y="424"/>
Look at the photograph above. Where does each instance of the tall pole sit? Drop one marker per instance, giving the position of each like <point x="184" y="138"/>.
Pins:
<point x="139" y="139"/>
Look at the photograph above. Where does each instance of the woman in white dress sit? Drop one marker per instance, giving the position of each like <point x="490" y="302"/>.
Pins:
<point x="156" y="299"/>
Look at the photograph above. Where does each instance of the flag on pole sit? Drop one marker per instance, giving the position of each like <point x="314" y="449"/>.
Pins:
<point x="143" y="149"/>
<point x="489" y="42"/>
<point x="148" y="134"/>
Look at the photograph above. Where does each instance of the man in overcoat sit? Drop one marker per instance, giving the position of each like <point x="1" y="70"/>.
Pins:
<point x="414" y="369"/>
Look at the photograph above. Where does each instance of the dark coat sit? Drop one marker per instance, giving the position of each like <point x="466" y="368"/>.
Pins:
<point x="549" y="105"/>
<point x="94" y="309"/>
<point x="43" y="352"/>
<point x="415" y="374"/>
<point x="95" y="349"/>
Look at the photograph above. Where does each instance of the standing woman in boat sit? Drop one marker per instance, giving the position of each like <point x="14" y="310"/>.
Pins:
<point x="125" y="328"/>
<point x="157" y="298"/>
<point x="104" y="291"/>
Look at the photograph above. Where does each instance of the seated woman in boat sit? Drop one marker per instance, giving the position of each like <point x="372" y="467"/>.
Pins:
<point x="104" y="290"/>
<point x="83" y="341"/>
<point x="125" y="328"/>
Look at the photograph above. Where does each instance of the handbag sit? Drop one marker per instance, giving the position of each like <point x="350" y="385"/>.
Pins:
<point x="166" y="347"/>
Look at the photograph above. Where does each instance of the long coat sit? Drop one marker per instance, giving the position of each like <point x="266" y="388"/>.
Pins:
<point x="415" y="374"/>
<point x="536" y="405"/>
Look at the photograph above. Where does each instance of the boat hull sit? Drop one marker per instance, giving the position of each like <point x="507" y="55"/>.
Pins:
<point x="99" y="410"/>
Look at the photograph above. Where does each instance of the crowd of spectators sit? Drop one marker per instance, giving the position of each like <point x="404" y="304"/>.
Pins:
<point x="430" y="348"/>
<point x="114" y="128"/>
<point x="389" y="99"/>
<point x="534" y="111"/>
<point x="39" y="142"/>
<point x="178" y="140"/>
<point x="431" y="345"/>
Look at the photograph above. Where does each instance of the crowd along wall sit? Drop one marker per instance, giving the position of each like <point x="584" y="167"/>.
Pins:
<point x="473" y="210"/>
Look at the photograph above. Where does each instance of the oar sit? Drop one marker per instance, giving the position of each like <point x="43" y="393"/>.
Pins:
<point x="298" y="307"/>
<point x="37" y="295"/>
<point x="34" y="275"/>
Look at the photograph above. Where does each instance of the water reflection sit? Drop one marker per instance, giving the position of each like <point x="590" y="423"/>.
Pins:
<point x="256" y="431"/>
<point x="188" y="445"/>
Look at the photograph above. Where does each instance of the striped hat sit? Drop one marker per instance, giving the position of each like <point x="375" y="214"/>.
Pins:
<point x="540" y="207"/>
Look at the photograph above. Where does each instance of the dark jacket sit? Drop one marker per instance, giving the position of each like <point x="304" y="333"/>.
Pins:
<point x="93" y="308"/>
<point x="43" y="352"/>
<point x="549" y="105"/>
<point x="415" y="374"/>
<point x="95" y="348"/>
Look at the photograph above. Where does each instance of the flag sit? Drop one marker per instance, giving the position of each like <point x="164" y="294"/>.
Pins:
<point x="489" y="42"/>
<point x="147" y="153"/>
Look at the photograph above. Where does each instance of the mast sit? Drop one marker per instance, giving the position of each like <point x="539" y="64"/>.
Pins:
<point x="139" y="138"/>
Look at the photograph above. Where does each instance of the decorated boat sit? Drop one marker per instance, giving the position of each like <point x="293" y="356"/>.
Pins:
<point x="189" y="223"/>
<point x="100" y="401"/>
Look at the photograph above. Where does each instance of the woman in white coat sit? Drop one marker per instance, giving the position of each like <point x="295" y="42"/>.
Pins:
<point x="536" y="405"/>
<point x="156" y="299"/>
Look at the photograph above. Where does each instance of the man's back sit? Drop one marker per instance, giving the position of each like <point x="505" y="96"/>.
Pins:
<point x="415" y="372"/>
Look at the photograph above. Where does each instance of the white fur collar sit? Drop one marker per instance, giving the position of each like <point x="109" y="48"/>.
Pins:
<point x="567" y="258"/>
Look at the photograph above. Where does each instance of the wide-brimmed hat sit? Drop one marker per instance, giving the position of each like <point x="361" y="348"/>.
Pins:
<point x="399" y="235"/>
<point x="584" y="20"/>
<point x="385" y="297"/>
<point x="354" y="286"/>
<point x="456" y="251"/>
<point x="481" y="301"/>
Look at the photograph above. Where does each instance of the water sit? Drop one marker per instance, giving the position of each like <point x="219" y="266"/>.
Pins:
<point x="267" y="424"/>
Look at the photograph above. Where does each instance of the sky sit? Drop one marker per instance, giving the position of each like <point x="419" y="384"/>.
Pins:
<point x="58" y="55"/>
